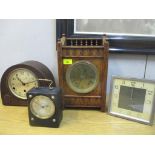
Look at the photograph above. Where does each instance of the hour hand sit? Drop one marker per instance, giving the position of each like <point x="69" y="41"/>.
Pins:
<point x="20" y="80"/>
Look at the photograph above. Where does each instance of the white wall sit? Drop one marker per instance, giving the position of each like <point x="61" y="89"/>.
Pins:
<point x="126" y="65"/>
<point x="22" y="40"/>
<point x="150" y="71"/>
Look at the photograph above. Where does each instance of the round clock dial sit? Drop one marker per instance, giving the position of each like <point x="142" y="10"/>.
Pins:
<point x="42" y="107"/>
<point x="20" y="81"/>
<point x="82" y="77"/>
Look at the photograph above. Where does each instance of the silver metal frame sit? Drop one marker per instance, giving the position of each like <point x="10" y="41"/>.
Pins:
<point x="126" y="117"/>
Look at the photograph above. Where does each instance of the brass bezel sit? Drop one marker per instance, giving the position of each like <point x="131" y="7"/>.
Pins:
<point x="8" y="81"/>
<point x="37" y="115"/>
<point x="71" y="67"/>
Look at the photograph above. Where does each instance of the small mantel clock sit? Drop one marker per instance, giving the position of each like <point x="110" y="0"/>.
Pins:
<point x="45" y="106"/>
<point x="82" y="68"/>
<point x="18" y="79"/>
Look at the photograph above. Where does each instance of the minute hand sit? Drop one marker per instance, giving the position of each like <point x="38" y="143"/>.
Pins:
<point x="38" y="80"/>
<point x="30" y="81"/>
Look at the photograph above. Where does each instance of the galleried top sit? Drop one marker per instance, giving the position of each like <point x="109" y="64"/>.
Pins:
<point x="83" y="41"/>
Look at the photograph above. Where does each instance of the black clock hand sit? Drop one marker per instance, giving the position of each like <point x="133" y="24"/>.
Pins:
<point x="37" y="80"/>
<point x="131" y="97"/>
<point x="31" y="81"/>
<point x="20" y="80"/>
<point x="47" y="80"/>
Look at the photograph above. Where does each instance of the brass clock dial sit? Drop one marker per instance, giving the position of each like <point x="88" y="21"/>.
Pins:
<point x="45" y="107"/>
<point x="82" y="77"/>
<point x="42" y="107"/>
<point x="20" y="81"/>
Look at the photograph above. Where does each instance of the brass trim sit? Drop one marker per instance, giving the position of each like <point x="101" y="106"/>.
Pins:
<point x="9" y="82"/>
<point x="75" y="89"/>
<point x="39" y="97"/>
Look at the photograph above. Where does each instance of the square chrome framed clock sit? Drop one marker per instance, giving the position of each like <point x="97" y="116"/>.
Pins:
<point x="132" y="99"/>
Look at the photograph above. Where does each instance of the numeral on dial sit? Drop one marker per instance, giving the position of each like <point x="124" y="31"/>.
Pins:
<point x="150" y="92"/>
<point x="133" y="84"/>
<point x="116" y="86"/>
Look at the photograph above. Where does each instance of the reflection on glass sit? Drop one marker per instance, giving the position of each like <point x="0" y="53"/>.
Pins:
<point x="132" y="98"/>
<point x="123" y="26"/>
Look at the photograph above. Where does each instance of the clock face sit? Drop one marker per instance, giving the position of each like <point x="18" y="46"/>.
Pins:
<point x="42" y="107"/>
<point x="82" y="77"/>
<point x="20" y="81"/>
<point x="132" y="98"/>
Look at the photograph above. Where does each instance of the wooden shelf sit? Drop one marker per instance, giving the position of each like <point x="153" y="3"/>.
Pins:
<point x="14" y="120"/>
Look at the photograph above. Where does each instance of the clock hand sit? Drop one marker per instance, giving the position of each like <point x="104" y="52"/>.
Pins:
<point x="37" y="80"/>
<point x="47" y="80"/>
<point x="131" y="97"/>
<point x="31" y="81"/>
<point x="20" y="80"/>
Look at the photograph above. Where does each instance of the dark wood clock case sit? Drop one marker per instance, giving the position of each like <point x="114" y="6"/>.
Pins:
<point x="45" y="91"/>
<point x="94" y="51"/>
<point x="39" y="69"/>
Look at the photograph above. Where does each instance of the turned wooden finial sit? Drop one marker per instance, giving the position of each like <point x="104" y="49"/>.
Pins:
<point x="63" y="35"/>
<point x="86" y="43"/>
<point x="63" y="39"/>
<point x="105" y="39"/>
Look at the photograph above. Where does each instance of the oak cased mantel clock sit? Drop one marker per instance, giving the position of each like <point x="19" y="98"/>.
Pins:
<point x="18" y="79"/>
<point x="82" y="68"/>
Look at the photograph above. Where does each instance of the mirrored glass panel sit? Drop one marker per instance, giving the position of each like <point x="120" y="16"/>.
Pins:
<point x="132" y="98"/>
